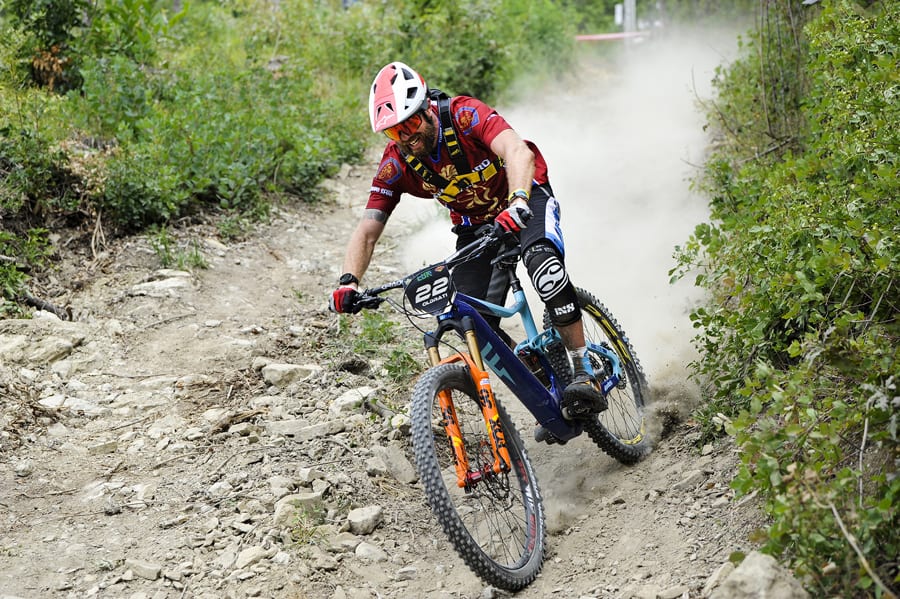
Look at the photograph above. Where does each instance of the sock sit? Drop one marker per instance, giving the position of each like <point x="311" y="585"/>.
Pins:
<point x="578" y="358"/>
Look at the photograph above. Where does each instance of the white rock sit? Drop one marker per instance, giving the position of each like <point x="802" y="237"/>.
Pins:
<point x="350" y="401"/>
<point x="219" y="490"/>
<point x="281" y="375"/>
<point x="370" y="552"/>
<point x="147" y="570"/>
<point x="364" y="520"/>
<point x="250" y="556"/>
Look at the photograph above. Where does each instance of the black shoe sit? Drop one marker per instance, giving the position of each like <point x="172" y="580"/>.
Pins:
<point x="582" y="397"/>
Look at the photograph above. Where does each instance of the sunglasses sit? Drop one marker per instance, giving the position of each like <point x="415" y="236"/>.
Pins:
<point x="409" y="126"/>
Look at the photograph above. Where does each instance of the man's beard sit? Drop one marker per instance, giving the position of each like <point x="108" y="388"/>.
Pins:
<point x="428" y="135"/>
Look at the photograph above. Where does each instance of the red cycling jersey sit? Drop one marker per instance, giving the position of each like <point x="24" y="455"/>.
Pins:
<point x="476" y="125"/>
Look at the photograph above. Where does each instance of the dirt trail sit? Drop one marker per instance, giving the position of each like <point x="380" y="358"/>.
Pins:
<point x="162" y="474"/>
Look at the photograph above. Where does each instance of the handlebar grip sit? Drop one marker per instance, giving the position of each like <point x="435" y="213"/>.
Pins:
<point x="367" y="302"/>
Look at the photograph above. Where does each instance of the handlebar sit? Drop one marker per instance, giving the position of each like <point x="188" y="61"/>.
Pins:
<point x="488" y="236"/>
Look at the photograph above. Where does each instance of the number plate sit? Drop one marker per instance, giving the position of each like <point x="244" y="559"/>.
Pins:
<point x="430" y="290"/>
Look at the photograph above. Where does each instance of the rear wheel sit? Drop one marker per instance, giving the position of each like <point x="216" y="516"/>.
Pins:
<point x="621" y="430"/>
<point x="496" y="522"/>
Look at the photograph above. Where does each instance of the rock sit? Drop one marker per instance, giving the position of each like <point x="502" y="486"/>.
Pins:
<point x="73" y="403"/>
<point x="227" y="557"/>
<point x="396" y="462"/>
<point x="163" y="288"/>
<point x="674" y="592"/>
<point x="350" y="401"/>
<point x="289" y="507"/>
<point x="717" y="577"/>
<point x="342" y="542"/>
<point x="288" y="428"/>
<point x="219" y="490"/>
<point x="370" y="552"/>
<point x="364" y="520"/>
<point x="38" y="341"/>
<point x="690" y="480"/>
<point x="281" y="482"/>
<point x="282" y="375"/>
<point x="302" y="432"/>
<point x="376" y="466"/>
<point x="306" y="475"/>
<point x="24" y="468"/>
<point x="321" y="560"/>
<point x="101" y="448"/>
<point x="147" y="570"/>
<point x="400" y="422"/>
<point x="250" y="556"/>
<point x="759" y="576"/>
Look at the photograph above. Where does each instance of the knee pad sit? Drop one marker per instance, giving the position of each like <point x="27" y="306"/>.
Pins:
<point x="551" y="281"/>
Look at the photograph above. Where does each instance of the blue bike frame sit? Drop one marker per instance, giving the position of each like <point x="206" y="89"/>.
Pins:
<point x="542" y="402"/>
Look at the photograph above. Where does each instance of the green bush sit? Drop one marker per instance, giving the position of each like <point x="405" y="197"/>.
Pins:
<point x="223" y="105"/>
<point x="800" y="338"/>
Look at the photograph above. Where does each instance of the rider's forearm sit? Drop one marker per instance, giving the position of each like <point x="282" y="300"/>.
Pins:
<point x="518" y="159"/>
<point x="520" y="168"/>
<point x="361" y="247"/>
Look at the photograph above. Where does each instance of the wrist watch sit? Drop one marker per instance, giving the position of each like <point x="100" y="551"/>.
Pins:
<point x="348" y="279"/>
<point x="519" y="194"/>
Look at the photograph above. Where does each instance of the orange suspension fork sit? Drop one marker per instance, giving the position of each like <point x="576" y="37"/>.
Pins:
<point x="489" y="411"/>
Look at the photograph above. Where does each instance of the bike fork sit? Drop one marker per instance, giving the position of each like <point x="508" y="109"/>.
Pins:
<point x="466" y="477"/>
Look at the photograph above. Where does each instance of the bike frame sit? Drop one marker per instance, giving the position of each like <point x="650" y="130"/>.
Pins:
<point x="543" y="403"/>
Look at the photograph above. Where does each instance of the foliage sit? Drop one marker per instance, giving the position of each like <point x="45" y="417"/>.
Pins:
<point x="306" y="528"/>
<point x="225" y="106"/>
<point x="171" y="253"/>
<point x="697" y="11"/>
<point x="19" y="254"/>
<point x="376" y="331"/>
<point x="50" y="23"/>
<point x="402" y="367"/>
<point x="800" y="338"/>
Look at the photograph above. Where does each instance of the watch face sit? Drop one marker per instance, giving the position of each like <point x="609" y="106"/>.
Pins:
<point x="347" y="278"/>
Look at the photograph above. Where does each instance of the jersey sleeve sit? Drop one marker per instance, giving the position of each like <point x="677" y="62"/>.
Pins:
<point x="384" y="194"/>
<point x="475" y="119"/>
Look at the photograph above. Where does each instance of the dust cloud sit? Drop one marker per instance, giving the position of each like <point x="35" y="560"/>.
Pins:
<point x="622" y="147"/>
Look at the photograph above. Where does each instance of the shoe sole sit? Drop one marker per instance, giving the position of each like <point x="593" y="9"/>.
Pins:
<point x="580" y="404"/>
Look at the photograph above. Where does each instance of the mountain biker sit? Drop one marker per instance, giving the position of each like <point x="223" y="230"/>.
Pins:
<point x="461" y="152"/>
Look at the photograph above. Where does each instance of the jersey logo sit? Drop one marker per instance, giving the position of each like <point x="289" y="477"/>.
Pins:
<point x="389" y="171"/>
<point x="467" y="118"/>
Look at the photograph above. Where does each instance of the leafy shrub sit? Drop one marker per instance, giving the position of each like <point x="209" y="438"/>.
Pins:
<point x="800" y="339"/>
<point x="19" y="254"/>
<point x="223" y="106"/>
<point x="51" y="25"/>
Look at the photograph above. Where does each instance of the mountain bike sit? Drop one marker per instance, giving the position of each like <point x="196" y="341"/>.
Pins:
<point x="475" y="471"/>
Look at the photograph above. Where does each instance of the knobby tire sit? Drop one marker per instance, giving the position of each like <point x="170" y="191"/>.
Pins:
<point x="497" y="528"/>
<point x="621" y="430"/>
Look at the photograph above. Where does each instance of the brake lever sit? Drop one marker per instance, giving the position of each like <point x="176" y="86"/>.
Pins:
<point x="369" y="302"/>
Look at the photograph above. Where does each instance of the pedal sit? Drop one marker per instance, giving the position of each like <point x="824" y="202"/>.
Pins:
<point x="542" y="435"/>
<point x="576" y="409"/>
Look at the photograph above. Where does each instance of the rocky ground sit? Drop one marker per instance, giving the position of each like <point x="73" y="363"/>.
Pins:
<point x="214" y="432"/>
<point x="209" y="434"/>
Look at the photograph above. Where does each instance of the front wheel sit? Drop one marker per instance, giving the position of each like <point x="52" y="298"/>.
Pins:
<point x="621" y="430"/>
<point x="495" y="522"/>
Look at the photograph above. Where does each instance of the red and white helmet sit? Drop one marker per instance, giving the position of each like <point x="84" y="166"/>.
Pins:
<point x="397" y="93"/>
